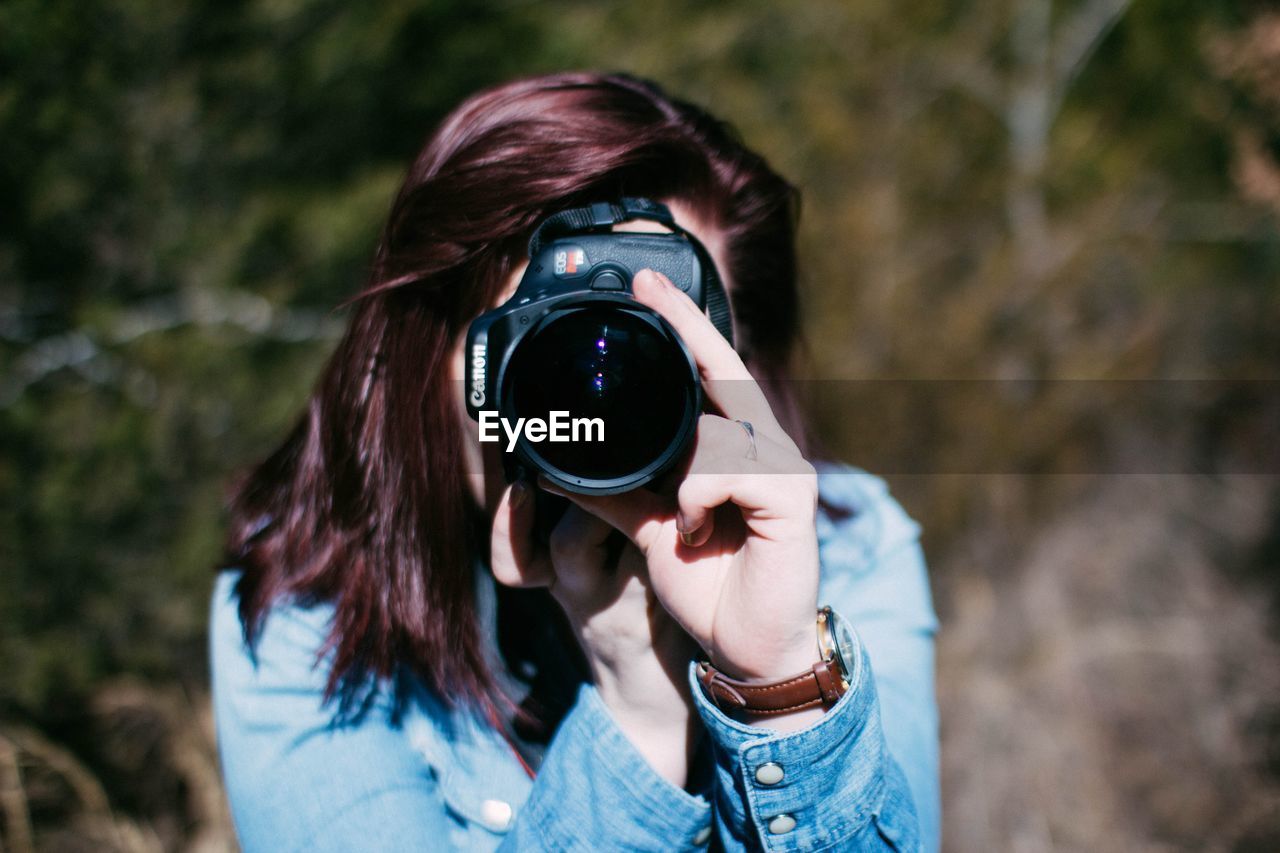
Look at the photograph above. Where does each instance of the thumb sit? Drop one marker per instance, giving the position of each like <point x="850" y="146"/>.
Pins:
<point x="513" y="556"/>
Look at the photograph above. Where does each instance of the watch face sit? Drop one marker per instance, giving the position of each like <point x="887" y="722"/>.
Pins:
<point x="843" y="644"/>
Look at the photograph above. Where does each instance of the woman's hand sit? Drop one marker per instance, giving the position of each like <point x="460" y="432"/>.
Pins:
<point x="735" y="557"/>
<point x="637" y="652"/>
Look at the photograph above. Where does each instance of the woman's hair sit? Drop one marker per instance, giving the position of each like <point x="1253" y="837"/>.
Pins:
<point x="366" y="504"/>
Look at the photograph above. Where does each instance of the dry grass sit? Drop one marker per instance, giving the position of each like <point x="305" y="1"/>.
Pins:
<point x="1113" y="686"/>
<point x="154" y="749"/>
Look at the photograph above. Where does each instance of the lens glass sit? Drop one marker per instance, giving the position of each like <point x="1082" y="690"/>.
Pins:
<point x="607" y="362"/>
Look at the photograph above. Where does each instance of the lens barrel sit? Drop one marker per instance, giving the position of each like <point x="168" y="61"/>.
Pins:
<point x="626" y="383"/>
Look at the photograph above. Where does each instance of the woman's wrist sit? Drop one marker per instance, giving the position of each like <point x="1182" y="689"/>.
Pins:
<point x="793" y="658"/>
<point x="660" y="724"/>
<point x="646" y="693"/>
<point x="793" y="652"/>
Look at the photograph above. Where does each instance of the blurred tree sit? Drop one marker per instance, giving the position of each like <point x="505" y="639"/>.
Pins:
<point x="188" y="191"/>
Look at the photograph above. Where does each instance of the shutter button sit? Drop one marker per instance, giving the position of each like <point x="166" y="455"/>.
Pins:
<point x="608" y="280"/>
<point x="769" y="774"/>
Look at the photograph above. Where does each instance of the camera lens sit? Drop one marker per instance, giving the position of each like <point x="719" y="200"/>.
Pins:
<point x="611" y="362"/>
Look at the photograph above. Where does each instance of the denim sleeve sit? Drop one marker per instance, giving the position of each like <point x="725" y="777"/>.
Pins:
<point x="865" y="776"/>
<point x="297" y="780"/>
<point x="595" y="791"/>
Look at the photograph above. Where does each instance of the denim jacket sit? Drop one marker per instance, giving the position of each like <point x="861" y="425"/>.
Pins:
<point x="864" y="777"/>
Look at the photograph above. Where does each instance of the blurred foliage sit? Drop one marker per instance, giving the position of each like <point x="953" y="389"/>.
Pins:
<point x="1015" y="189"/>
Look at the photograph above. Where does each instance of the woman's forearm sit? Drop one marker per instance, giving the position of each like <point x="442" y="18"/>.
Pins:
<point x="667" y="750"/>
<point x="656" y="716"/>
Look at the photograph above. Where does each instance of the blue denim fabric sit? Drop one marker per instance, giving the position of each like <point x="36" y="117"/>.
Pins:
<point x="863" y="777"/>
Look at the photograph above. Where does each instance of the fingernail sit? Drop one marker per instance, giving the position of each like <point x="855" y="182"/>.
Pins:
<point x="686" y="532"/>
<point x="519" y="493"/>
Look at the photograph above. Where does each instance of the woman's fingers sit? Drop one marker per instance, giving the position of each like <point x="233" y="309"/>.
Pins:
<point x="579" y="548"/>
<point x="513" y="556"/>
<point x="715" y="357"/>
<point x="574" y="560"/>
<point x="638" y="514"/>
<point x="696" y="525"/>
<point x="728" y="383"/>
<point x="777" y="483"/>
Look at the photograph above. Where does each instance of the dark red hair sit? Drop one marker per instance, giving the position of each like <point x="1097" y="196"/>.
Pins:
<point x="365" y="505"/>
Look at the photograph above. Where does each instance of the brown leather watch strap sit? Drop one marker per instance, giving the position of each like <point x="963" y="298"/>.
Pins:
<point x="820" y="687"/>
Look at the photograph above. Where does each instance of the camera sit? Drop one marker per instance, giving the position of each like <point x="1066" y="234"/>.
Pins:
<point x="578" y="380"/>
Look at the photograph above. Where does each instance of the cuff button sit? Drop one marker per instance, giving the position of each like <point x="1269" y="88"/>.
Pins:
<point x="703" y="836"/>
<point x="769" y="774"/>
<point x="782" y="824"/>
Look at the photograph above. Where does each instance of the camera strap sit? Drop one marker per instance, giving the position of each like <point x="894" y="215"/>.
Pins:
<point x="603" y="215"/>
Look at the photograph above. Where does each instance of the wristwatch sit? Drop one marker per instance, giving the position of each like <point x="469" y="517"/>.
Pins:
<point x="819" y="687"/>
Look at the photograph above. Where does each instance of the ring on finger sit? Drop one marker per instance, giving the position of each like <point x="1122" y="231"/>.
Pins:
<point x="751" y="436"/>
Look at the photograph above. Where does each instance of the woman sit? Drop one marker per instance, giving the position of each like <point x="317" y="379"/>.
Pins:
<point x="398" y="665"/>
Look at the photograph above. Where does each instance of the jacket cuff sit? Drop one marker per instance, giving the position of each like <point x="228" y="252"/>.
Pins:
<point x="593" y="784"/>
<point x="833" y="772"/>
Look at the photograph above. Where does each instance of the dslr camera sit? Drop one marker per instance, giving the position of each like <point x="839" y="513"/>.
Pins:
<point x="613" y="391"/>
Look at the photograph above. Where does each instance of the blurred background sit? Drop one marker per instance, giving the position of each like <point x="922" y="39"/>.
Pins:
<point x="1051" y="198"/>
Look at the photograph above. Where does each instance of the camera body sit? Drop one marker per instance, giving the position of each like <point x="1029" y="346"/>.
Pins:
<point x="572" y="339"/>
